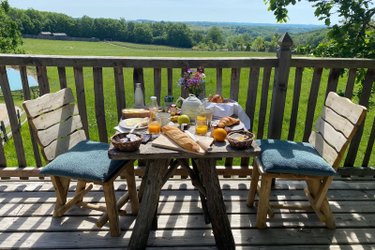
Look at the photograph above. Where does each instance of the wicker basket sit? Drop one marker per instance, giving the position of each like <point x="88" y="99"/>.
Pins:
<point x="128" y="146"/>
<point x="240" y="144"/>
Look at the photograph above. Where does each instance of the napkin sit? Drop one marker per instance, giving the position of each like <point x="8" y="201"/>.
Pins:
<point x="228" y="109"/>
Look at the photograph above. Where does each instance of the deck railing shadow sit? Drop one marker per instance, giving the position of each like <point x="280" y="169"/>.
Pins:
<point x="26" y="211"/>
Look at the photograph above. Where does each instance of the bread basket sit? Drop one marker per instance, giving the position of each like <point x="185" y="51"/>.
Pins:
<point x="240" y="139"/>
<point x="122" y="143"/>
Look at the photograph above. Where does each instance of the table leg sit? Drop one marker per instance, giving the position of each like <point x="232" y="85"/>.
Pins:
<point x="154" y="225"/>
<point x="207" y="219"/>
<point x="215" y="204"/>
<point x="142" y="187"/>
<point x="149" y="203"/>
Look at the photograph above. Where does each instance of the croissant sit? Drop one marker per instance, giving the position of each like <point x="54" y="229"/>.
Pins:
<point x="179" y="137"/>
<point x="216" y="98"/>
<point x="228" y="121"/>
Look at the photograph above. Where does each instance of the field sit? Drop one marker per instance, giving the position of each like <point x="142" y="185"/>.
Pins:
<point x="32" y="46"/>
<point x="51" y="47"/>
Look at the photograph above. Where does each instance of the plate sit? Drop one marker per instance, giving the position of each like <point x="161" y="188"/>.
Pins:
<point x="239" y="126"/>
<point x="131" y="122"/>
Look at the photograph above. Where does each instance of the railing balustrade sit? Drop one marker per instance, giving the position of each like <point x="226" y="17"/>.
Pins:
<point x="249" y="80"/>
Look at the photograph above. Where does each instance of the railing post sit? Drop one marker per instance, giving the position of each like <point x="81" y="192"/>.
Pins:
<point x="280" y="86"/>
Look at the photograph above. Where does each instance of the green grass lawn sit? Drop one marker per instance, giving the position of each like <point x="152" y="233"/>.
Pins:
<point x="33" y="46"/>
<point x="51" y="47"/>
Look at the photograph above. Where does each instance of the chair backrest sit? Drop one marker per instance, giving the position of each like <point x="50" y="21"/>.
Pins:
<point x="336" y="126"/>
<point x="56" y="122"/>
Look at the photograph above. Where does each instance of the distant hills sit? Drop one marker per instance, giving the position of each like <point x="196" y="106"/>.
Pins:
<point x="291" y="28"/>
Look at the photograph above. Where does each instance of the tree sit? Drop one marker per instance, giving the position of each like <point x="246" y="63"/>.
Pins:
<point x="352" y="37"/>
<point x="10" y="34"/>
<point x="85" y="27"/>
<point x="197" y="37"/>
<point x="258" y="44"/>
<point x="215" y="35"/>
<point x="142" y="33"/>
<point x="179" y="35"/>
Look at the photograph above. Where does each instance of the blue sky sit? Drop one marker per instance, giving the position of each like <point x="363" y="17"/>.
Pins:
<point x="253" y="11"/>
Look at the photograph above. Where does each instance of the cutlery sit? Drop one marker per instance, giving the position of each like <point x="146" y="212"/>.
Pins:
<point x="133" y="128"/>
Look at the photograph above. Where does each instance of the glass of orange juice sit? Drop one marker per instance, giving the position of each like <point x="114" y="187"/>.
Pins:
<point x="154" y="126"/>
<point x="201" y="125"/>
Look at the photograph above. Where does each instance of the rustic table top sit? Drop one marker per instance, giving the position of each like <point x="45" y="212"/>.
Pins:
<point x="218" y="149"/>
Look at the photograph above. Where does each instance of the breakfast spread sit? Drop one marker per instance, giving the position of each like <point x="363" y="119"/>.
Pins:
<point x="193" y="116"/>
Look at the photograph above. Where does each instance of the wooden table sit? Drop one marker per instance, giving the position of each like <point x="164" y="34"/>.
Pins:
<point x="160" y="164"/>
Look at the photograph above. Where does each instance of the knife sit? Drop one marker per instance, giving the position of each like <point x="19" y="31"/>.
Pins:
<point x="204" y="147"/>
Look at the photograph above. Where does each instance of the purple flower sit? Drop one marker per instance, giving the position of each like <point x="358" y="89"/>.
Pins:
<point x="192" y="80"/>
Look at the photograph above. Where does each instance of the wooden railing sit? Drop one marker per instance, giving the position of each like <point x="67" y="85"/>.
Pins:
<point x="265" y="104"/>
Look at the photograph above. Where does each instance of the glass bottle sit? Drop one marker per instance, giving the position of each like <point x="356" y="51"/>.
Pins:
<point x="138" y="96"/>
<point x="154" y="107"/>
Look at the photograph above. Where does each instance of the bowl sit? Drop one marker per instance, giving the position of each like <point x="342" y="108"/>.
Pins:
<point x="127" y="142"/>
<point x="240" y="139"/>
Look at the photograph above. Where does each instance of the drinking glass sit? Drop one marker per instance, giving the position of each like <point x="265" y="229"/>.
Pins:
<point x="154" y="126"/>
<point x="164" y="118"/>
<point x="201" y="125"/>
<point x="209" y="114"/>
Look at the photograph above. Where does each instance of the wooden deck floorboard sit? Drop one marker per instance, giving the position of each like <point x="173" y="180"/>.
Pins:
<point x="26" y="221"/>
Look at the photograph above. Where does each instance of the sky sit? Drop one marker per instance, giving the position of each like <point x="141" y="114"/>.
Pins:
<point x="251" y="11"/>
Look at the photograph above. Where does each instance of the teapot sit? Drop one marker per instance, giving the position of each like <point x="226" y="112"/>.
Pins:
<point x="191" y="106"/>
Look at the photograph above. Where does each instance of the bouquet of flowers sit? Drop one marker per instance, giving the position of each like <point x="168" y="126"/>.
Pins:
<point x="193" y="81"/>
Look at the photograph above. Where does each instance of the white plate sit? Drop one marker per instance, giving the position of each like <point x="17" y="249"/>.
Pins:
<point x="131" y="122"/>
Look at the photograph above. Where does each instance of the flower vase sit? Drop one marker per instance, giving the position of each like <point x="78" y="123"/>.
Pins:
<point x="199" y="94"/>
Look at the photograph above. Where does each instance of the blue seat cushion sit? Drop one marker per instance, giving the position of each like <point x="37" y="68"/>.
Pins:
<point x="290" y="157"/>
<point x="87" y="160"/>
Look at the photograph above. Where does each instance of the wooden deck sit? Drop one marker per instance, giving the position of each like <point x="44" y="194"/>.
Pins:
<point x="26" y="221"/>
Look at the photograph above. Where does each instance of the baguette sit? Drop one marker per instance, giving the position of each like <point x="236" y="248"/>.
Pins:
<point x="180" y="138"/>
<point x="228" y="121"/>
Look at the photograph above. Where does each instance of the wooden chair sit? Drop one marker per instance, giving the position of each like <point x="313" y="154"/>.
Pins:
<point x="58" y="128"/>
<point x="315" y="162"/>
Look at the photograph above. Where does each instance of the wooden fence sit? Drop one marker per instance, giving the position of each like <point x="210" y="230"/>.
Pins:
<point x="265" y="103"/>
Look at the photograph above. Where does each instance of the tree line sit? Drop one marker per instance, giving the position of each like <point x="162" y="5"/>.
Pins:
<point x="161" y="33"/>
